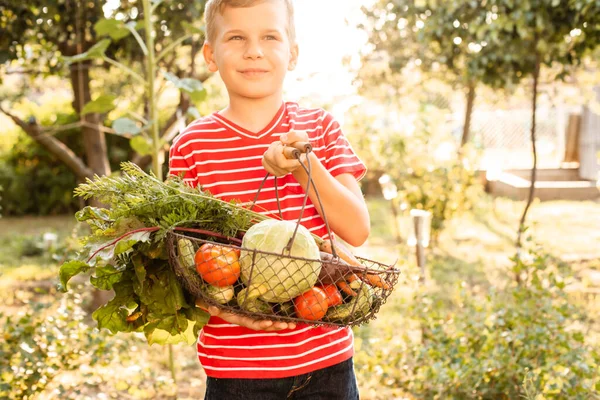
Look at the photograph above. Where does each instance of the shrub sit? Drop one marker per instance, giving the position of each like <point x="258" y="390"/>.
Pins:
<point x="44" y="341"/>
<point x="420" y="154"/>
<point x="525" y="341"/>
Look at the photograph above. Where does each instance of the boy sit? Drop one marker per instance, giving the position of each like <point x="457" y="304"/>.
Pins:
<point x="251" y="43"/>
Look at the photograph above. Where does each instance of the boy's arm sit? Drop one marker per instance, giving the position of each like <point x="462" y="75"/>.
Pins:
<point x="343" y="202"/>
<point x="344" y="205"/>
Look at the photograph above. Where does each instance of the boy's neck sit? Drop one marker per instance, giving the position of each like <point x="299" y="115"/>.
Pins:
<point x="252" y="114"/>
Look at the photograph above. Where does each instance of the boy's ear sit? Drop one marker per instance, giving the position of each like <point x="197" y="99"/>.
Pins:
<point x="209" y="57"/>
<point x="294" y="51"/>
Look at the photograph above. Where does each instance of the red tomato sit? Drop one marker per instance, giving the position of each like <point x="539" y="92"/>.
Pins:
<point x="217" y="265"/>
<point x="311" y="305"/>
<point x="334" y="297"/>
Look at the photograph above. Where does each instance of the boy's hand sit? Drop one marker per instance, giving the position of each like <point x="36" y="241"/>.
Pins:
<point x="275" y="162"/>
<point x="251" y="323"/>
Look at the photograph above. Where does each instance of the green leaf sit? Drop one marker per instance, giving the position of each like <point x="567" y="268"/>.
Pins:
<point x="162" y="336"/>
<point x="141" y="145"/>
<point x="161" y="290"/>
<point x="111" y="27"/>
<point x="131" y="240"/>
<point x="100" y="249"/>
<point x="191" y="86"/>
<point x="199" y="316"/>
<point x="89" y="212"/>
<point x="102" y="104"/>
<point x="105" y="277"/>
<point x="96" y="51"/>
<point x="69" y="270"/>
<point x="139" y="267"/>
<point x="112" y="315"/>
<point x="124" y="126"/>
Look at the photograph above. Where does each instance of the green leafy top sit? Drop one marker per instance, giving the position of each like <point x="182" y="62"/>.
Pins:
<point x="136" y="194"/>
<point x="127" y="251"/>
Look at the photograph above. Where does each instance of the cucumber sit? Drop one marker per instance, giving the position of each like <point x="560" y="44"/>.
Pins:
<point x="221" y="295"/>
<point x="362" y="301"/>
<point x="287" y="309"/>
<point x="186" y="251"/>
<point x="248" y="299"/>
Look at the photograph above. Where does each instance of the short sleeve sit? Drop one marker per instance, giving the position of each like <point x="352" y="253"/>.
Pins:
<point x="340" y="158"/>
<point x="179" y="164"/>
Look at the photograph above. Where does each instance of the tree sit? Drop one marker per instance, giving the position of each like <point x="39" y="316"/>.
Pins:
<point x="497" y="42"/>
<point x="40" y="34"/>
<point x="433" y="36"/>
<point x="531" y="34"/>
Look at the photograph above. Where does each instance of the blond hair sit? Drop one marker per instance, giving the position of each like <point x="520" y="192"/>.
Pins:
<point x="214" y="7"/>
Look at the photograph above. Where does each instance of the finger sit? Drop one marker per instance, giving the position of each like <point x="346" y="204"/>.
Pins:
<point x="294" y="136"/>
<point x="272" y="169"/>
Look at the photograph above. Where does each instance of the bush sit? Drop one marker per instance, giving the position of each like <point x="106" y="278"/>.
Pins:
<point x="43" y="342"/>
<point x="421" y="156"/>
<point x="524" y="341"/>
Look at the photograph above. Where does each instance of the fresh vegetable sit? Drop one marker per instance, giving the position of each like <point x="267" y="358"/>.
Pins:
<point x="125" y="250"/>
<point x="375" y="280"/>
<point x="185" y="250"/>
<point x="341" y="251"/>
<point x="286" y="309"/>
<point x="356" y="308"/>
<point x="248" y="299"/>
<point x="312" y="304"/>
<point x="220" y="294"/>
<point x="279" y="278"/>
<point x="345" y="287"/>
<point x="332" y="269"/>
<point x="334" y="297"/>
<point x="217" y="265"/>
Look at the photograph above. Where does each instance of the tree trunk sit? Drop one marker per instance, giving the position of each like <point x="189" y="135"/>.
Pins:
<point x="469" y="112"/>
<point x="536" y="75"/>
<point x="94" y="142"/>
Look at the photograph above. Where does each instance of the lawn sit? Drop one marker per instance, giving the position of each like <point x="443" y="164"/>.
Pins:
<point x="472" y="251"/>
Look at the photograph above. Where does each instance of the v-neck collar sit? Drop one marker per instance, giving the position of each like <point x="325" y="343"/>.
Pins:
<point x="267" y="130"/>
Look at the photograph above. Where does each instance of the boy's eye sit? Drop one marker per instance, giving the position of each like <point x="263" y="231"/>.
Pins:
<point x="236" y="37"/>
<point x="270" y="37"/>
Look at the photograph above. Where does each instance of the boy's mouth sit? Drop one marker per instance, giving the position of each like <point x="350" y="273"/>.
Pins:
<point x="253" y="72"/>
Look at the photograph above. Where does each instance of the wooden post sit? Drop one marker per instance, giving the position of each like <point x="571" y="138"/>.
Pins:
<point x="572" y="139"/>
<point x="420" y="249"/>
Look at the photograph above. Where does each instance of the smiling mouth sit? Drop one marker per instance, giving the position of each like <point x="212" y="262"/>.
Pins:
<point x="253" y="72"/>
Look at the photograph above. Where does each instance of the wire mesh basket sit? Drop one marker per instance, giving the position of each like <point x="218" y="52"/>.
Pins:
<point x="235" y="277"/>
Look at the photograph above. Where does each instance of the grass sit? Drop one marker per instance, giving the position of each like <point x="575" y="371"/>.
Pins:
<point x="472" y="251"/>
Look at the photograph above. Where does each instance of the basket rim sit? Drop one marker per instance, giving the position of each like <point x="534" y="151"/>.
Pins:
<point x="389" y="268"/>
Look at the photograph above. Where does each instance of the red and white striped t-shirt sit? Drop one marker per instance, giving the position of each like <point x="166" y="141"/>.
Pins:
<point x="225" y="159"/>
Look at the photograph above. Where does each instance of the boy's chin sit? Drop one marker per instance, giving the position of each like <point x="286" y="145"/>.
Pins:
<point x="256" y="95"/>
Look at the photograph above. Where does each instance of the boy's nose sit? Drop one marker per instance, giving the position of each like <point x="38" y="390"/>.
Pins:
<point x="253" y="50"/>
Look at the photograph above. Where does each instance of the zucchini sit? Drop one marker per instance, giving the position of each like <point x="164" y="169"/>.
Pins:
<point x="248" y="299"/>
<point x="186" y="251"/>
<point x="362" y="301"/>
<point x="221" y="295"/>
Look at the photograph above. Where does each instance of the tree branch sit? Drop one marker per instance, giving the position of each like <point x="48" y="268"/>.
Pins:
<point x="53" y="146"/>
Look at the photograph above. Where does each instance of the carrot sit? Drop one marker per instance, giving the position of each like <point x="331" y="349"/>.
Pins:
<point x="345" y="287"/>
<point x="375" y="280"/>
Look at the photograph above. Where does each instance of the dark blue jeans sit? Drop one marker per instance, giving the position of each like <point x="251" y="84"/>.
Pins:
<point x="332" y="383"/>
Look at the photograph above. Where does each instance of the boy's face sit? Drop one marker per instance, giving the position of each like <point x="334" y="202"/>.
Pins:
<point x="251" y="49"/>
